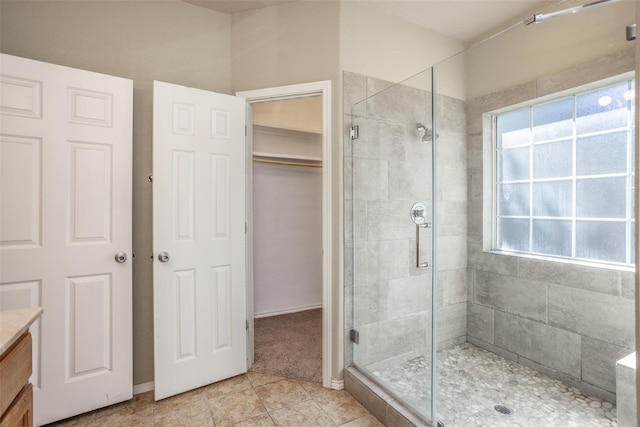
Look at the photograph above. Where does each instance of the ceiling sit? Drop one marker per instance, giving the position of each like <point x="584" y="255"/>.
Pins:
<point x="465" y="20"/>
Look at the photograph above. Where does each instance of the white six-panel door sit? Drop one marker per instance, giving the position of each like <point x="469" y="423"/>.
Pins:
<point x="199" y="238"/>
<point x="65" y="212"/>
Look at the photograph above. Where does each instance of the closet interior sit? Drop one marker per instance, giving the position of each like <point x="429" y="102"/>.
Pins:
<point x="287" y="220"/>
<point x="287" y="206"/>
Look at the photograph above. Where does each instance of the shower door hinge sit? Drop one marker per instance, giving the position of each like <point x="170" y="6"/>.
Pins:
<point x="354" y="335"/>
<point x="355" y="132"/>
<point x="631" y="32"/>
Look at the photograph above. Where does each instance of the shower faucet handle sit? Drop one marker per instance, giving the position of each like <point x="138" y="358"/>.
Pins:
<point x="418" y="213"/>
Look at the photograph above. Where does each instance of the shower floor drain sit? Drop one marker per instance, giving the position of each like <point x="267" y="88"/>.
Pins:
<point x="503" y="409"/>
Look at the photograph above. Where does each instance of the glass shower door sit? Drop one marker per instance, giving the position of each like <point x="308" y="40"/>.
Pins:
<point x="392" y="239"/>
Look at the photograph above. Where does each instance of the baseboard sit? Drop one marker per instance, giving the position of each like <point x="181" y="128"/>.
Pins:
<point x="287" y="311"/>
<point x="337" y="384"/>
<point x="143" y="388"/>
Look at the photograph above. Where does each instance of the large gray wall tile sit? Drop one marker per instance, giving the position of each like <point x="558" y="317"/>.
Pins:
<point x="485" y="261"/>
<point x="628" y="284"/>
<point x="371" y="179"/>
<point x="452" y="322"/>
<point x="599" y="363"/>
<point x="604" y="317"/>
<point x="370" y="302"/>
<point x="477" y="107"/>
<point x="608" y="66"/>
<point x="549" y="346"/>
<point x="576" y="276"/>
<point x="525" y="298"/>
<point x="409" y="295"/>
<point x="398" y="103"/>
<point x="451" y="150"/>
<point x="348" y="264"/>
<point x="348" y="304"/>
<point x="450" y="114"/>
<point x="378" y="261"/>
<point x="474" y="219"/>
<point x="395" y="337"/>
<point x="383" y="140"/>
<point x="453" y="286"/>
<point x="452" y="183"/>
<point x="408" y="180"/>
<point x="388" y="220"/>
<point x="480" y="322"/>
<point x="354" y="89"/>
<point x="452" y="253"/>
<point x="452" y="218"/>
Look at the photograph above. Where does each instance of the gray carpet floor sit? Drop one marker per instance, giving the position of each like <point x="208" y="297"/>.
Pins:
<point x="289" y="345"/>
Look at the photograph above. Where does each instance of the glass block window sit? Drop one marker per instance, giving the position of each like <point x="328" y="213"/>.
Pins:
<point x="564" y="177"/>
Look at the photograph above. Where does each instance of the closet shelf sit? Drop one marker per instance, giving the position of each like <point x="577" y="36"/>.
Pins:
<point x="286" y="159"/>
<point x="266" y="155"/>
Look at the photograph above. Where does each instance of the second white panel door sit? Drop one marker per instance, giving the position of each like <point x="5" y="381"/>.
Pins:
<point x="199" y="238"/>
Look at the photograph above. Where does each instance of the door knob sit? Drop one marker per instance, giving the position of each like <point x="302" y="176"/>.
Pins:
<point x="121" y="257"/>
<point x="163" y="256"/>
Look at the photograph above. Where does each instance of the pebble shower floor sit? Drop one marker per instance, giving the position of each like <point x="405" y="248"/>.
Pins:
<point x="472" y="382"/>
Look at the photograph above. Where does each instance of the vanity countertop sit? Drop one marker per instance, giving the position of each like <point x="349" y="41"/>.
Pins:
<point x="14" y="323"/>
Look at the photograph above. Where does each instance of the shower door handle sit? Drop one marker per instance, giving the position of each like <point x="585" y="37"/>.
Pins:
<point x="418" y="217"/>
<point x="419" y="264"/>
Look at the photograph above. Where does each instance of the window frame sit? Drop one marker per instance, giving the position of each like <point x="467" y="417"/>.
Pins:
<point x="629" y="175"/>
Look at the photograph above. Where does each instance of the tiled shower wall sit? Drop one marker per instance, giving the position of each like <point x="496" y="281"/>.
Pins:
<point x="391" y="169"/>
<point x="569" y="321"/>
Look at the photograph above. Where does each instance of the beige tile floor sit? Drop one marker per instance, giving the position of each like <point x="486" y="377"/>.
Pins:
<point x="243" y="401"/>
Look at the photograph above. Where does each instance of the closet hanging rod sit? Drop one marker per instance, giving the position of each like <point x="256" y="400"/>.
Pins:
<point x="287" y="163"/>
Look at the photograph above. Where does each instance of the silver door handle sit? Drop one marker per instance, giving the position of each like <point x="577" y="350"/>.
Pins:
<point x="163" y="256"/>
<point x="121" y="257"/>
<point x="418" y="211"/>
<point x="419" y="264"/>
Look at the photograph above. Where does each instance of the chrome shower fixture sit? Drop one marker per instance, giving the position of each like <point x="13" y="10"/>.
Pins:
<point x="428" y="133"/>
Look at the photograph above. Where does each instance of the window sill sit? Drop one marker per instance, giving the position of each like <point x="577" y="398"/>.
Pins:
<point x="605" y="266"/>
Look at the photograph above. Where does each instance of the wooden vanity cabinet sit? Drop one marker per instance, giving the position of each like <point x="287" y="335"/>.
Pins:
<point x="16" y="393"/>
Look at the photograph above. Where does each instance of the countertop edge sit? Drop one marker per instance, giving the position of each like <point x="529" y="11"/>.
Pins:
<point x="14" y="323"/>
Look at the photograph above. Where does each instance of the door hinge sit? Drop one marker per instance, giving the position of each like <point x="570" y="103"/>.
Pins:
<point x="354" y="335"/>
<point x="355" y="132"/>
<point x="247" y="323"/>
<point x="150" y="177"/>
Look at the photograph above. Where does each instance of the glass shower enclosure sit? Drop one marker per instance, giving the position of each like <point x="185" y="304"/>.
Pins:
<point x="423" y="187"/>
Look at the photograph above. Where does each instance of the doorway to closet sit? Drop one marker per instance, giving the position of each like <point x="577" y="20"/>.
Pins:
<point x="289" y="231"/>
<point x="287" y="213"/>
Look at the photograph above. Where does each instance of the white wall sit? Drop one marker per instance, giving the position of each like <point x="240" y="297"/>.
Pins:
<point x="376" y="44"/>
<point x="287" y="246"/>
<point x="287" y="224"/>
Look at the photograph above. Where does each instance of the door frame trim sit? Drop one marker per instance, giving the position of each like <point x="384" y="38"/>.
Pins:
<point x="304" y="90"/>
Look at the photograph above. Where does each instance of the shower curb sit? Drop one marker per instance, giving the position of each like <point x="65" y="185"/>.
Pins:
<point x="387" y="409"/>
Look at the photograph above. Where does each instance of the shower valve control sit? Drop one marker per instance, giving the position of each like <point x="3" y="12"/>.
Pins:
<point x="418" y="214"/>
